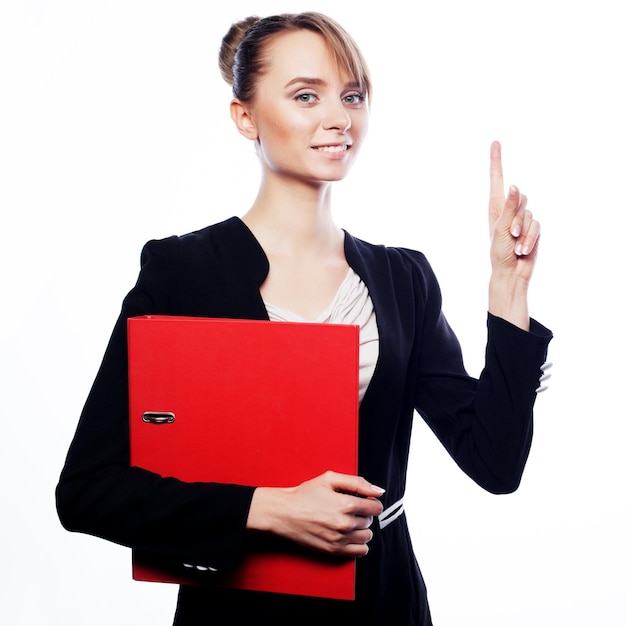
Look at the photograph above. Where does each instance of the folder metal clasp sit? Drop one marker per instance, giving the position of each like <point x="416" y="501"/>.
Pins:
<point x="158" y="417"/>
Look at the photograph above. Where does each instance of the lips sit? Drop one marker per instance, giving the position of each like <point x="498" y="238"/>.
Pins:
<point x="333" y="148"/>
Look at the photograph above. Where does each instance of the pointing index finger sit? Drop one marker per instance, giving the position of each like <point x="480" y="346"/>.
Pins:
<point x="496" y="187"/>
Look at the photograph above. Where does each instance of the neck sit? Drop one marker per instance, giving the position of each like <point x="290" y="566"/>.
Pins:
<point x="293" y="220"/>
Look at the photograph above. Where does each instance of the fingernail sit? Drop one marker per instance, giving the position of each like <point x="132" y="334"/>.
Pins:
<point x="515" y="230"/>
<point x="512" y="191"/>
<point x="518" y="249"/>
<point x="379" y="489"/>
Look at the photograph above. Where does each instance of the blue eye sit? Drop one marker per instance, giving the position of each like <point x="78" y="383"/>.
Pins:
<point x="306" y="98"/>
<point x="354" y="99"/>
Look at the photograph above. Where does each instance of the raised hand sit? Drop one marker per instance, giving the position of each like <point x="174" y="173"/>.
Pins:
<point x="514" y="244"/>
<point x="331" y="513"/>
<point x="514" y="232"/>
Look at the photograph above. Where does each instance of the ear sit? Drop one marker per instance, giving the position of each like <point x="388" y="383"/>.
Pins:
<point x="242" y="116"/>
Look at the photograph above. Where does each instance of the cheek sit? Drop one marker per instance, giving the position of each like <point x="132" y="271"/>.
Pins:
<point x="360" y="124"/>
<point x="282" y="140"/>
<point x="285" y="125"/>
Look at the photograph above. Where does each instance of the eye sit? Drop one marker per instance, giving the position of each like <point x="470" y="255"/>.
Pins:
<point x="306" y="98"/>
<point x="354" y="99"/>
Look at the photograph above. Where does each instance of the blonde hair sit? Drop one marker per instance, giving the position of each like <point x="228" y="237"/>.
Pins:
<point x="242" y="59"/>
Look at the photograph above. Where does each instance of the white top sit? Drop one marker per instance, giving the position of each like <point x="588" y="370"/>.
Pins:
<point x="351" y="305"/>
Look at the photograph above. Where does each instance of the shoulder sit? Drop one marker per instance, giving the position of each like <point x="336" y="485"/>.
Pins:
<point x="228" y="243"/>
<point x="394" y="262"/>
<point x="179" y="263"/>
<point x="186" y="269"/>
<point x="204" y="239"/>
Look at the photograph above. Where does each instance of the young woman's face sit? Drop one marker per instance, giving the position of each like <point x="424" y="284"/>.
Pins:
<point x="309" y="117"/>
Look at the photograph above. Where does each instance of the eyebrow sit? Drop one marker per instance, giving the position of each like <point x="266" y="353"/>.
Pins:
<point x="306" y="80"/>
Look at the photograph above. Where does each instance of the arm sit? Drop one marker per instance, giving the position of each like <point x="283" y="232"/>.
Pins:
<point x="486" y="424"/>
<point x="100" y="494"/>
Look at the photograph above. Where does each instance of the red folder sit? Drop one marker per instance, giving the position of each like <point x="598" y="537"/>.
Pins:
<point x="246" y="402"/>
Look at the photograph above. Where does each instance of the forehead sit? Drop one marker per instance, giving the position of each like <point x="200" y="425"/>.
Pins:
<point x="301" y="53"/>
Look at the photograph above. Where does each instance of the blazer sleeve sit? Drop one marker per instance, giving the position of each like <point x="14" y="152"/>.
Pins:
<point x="485" y="424"/>
<point x="101" y="494"/>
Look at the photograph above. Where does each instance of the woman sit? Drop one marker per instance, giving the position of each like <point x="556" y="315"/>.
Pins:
<point x="300" y="91"/>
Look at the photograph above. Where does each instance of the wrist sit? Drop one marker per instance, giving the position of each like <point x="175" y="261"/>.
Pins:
<point x="508" y="299"/>
<point x="265" y="507"/>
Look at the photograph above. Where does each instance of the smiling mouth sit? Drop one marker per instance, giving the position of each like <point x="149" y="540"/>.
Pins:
<point x="334" y="149"/>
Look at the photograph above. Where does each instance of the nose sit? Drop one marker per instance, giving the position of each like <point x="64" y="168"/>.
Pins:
<point x="337" y="117"/>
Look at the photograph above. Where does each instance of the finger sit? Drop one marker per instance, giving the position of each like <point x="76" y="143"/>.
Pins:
<point x="356" y="537"/>
<point x="367" y="507"/>
<point x="359" y="537"/>
<point x="529" y="240"/>
<point x="350" y="523"/>
<point x="526" y="218"/>
<point x="340" y="539"/>
<point x="356" y="546"/>
<point x="357" y="506"/>
<point x="351" y="544"/>
<point x="362" y="522"/>
<point x="496" y="181"/>
<point x="517" y="225"/>
<point x="356" y="485"/>
<point x="510" y="209"/>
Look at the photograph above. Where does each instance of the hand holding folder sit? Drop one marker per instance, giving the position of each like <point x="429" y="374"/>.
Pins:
<point x="332" y="513"/>
<point x="247" y="402"/>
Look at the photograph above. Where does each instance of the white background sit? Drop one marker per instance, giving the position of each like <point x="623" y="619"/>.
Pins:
<point x="114" y="129"/>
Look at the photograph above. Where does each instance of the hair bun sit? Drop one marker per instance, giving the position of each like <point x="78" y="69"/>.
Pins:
<point x="230" y="42"/>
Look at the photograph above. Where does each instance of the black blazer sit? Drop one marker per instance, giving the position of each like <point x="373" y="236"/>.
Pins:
<point x="485" y="424"/>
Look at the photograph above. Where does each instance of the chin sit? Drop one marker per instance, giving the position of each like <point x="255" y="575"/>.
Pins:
<point x="335" y="174"/>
